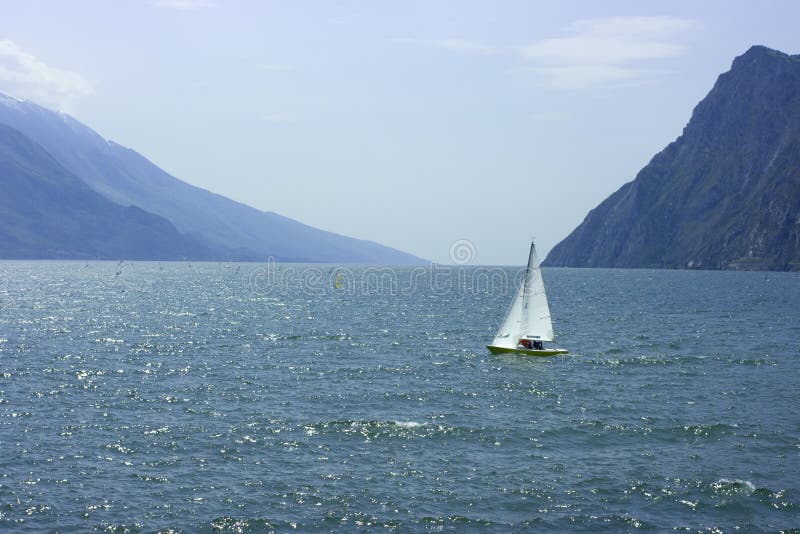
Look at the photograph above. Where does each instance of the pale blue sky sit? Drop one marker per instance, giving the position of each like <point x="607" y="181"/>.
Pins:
<point x="414" y="124"/>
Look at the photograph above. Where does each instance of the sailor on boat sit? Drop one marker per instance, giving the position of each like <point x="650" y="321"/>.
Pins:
<point x="529" y="344"/>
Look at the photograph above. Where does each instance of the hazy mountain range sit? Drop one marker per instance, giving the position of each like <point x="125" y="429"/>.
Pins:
<point x="725" y="194"/>
<point x="70" y="193"/>
<point x="48" y="212"/>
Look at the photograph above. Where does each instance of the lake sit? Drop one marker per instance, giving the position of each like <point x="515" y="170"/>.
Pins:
<point x="250" y="397"/>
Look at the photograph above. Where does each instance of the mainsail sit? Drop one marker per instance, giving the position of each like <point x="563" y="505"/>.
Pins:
<point x="529" y="315"/>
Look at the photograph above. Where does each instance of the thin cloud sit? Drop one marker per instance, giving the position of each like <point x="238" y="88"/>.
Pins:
<point x="24" y="76"/>
<point x="184" y="5"/>
<point x="585" y="76"/>
<point x="347" y="18"/>
<point x="550" y="116"/>
<point x="455" y="45"/>
<point x="600" y="52"/>
<point x="274" y="67"/>
<point x="278" y="118"/>
<point x="605" y="52"/>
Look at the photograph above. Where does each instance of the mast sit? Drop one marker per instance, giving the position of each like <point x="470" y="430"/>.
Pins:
<point x="526" y="289"/>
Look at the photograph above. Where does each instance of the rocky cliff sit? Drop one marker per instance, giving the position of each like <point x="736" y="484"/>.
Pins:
<point x="724" y="195"/>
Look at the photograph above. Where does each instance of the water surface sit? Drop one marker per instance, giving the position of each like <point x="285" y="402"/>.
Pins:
<point x="243" y="397"/>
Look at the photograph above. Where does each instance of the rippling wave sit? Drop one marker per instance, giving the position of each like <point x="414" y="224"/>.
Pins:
<point x="183" y="398"/>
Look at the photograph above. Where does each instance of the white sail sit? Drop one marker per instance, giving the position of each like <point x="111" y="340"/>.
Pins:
<point x="507" y="336"/>
<point x="529" y="315"/>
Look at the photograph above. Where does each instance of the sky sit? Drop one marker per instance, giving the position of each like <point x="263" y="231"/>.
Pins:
<point x="421" y="125"/>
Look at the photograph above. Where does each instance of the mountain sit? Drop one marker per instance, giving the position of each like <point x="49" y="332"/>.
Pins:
<point x="724" y="195"/>
<point x="127" y="178"/>
<point x="47" y="212"/>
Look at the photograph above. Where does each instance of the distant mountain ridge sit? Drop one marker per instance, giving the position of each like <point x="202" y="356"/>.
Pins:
<point x="231" y="229"/>
<point x="724" y="195"/>
<point x="47" y="212"/>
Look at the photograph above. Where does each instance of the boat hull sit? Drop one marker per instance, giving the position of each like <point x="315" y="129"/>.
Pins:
<point x="527" y="352"/>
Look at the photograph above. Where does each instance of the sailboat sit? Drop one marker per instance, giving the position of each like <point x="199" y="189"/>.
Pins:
<point x="527" y="324"/>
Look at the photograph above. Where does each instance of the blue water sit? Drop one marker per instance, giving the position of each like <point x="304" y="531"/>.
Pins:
<point x="244" y="397"/>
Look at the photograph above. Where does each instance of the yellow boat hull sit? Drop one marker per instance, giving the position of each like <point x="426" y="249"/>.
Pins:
<point x="527" y="352"/>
